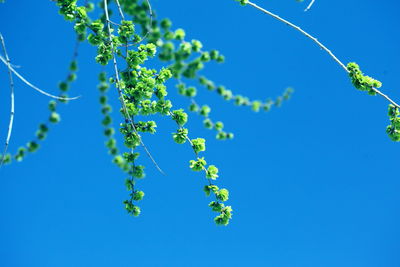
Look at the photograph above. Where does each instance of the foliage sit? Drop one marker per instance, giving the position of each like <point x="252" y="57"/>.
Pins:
<point x="143" y="91"/>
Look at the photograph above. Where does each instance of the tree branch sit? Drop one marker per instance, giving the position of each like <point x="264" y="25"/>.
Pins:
<point x="126" y="114"/>
<point x="323" y="47"/>
<point x="33" y="86"/>
<point x="120" y="10"/>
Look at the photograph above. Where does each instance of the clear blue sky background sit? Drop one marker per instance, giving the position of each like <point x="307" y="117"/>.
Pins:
<point x="314" y="183"/>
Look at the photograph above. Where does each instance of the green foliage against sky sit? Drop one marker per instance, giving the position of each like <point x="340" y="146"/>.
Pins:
<point x="127" y="45"/>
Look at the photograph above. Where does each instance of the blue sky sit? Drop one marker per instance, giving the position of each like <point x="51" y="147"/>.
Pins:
<point x="314" y="183"/>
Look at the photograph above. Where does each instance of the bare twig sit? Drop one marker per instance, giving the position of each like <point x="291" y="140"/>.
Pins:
<point x="121" y="98"/>
<point x="120" y="10"/>
<point x="323" y="47"/>
<point x="116" y="24"/>
<point x="10" y="124"/>
<point x="34" y="87"/>
<point x="309" y="6"/>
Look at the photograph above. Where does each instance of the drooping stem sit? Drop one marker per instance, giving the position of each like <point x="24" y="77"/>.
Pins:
<point x="192" y="145"/>
<point x="322" y="46"/>
<point x="118" y="83"/>
<point x="33" y="86"/>
<point x="10" y="124"/>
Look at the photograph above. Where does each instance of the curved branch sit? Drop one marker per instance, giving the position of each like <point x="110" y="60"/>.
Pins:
<point x="120" y="10"/>
<point x="323" y="47"/>
<point x="33" y="86"/>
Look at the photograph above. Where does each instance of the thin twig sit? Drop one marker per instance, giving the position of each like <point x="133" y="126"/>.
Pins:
<point x="301" y="31"/>
<point x="309" y="6"/>
<point x="34" y="87"/>
<point x="116" y="24"/>
<point x="315" y="40"/>
<point x="121" y="98"/>
<point x="192" y="145"/>
<point x="10" y="124"/>
<point x="120" y="10"/>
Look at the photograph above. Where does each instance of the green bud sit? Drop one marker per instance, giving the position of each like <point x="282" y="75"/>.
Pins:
<point x="212" y="172"/>
<point x="73" y="65"/>
<point x="130" y="157"/>
<point x="109" y="132"/>
<point x="219" y="126"/>
<point x="198" y="165"/>
<point x="243" y="2"/>
<point x="129" y="184"/>
<point x="180" y="116"/>
<point x="214" y="54"/>
<point x="165" y="24"/>
<point x="179" y="34"/>
<point x="20" y="154"/>
<point x="180" y="136"/>
<point x="138" y="172"/>
<point x="216" y="206"/>
<point x="210" y="188"/>
<point x="196" y="45"/>
<point x="199" y="145"/>
<point x="106" y="120"/>
<point x="52" y="105"/>
<point x="63" y="86"/>
<point x="7" y="158"/>
<point x="205" y="110"/>
<point x="208" y="123"/>
<point x="32" y="146"/>
<point x="191" y="91"/>
<point x="138" y="195"/>
<point x="193" y="107"/>
<point x="222" y="195"/>
<point x="54" y="117"/>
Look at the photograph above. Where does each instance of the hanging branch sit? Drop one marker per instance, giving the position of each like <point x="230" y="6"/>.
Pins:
<point x="118" y="83"/>
<point x="315" y="40"/>
<point x="10" y="124"/>
<point x="33" y="86"/>
<point x="120" y="10"/>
